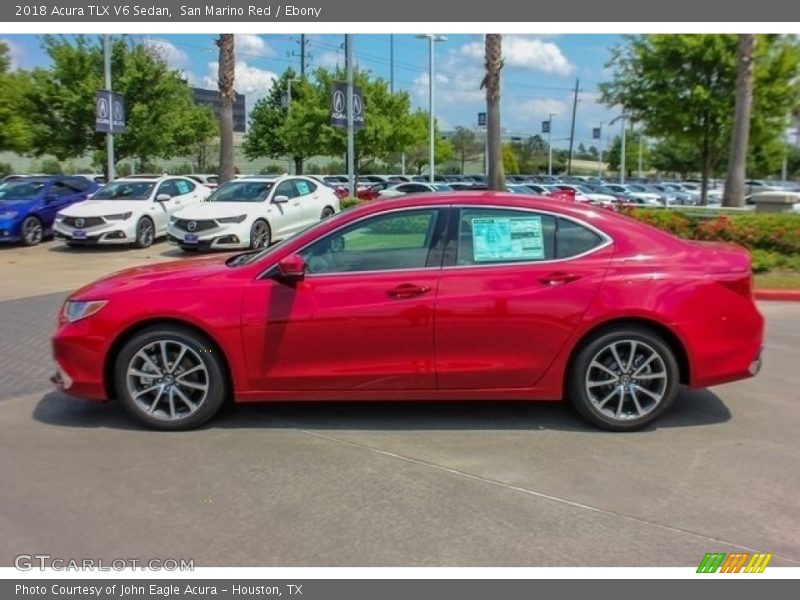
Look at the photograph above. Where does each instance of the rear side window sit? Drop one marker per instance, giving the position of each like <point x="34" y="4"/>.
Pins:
<point x="573" y="239"/>
<point x="304" y="187"/>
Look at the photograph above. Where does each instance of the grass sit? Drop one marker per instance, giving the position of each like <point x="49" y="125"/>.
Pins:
<point x="778" y="279"/>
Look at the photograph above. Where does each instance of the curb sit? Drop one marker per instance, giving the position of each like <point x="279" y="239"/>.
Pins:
<point x="781" y="295"/>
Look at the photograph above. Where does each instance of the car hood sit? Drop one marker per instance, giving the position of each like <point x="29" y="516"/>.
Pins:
<point x="98" y="208"/>
<point x="178" y="273"/>
<point x="216" y="210"/>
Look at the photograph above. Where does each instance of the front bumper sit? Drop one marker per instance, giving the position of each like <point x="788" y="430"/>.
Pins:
<point x="222" y="237"/>
<point x="112" y="232"/>
<point x="79" y="354"/>
<point x="10" y="231"/>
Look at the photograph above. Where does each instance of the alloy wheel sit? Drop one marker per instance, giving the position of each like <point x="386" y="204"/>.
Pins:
<point x="168" y="380"/>
<point x="626" y="379"/>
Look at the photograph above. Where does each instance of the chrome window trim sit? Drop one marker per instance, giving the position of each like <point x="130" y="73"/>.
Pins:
<point x="607" y="239"/>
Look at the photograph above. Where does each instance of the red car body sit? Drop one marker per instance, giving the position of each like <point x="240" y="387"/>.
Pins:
<point x="500" y="332"/>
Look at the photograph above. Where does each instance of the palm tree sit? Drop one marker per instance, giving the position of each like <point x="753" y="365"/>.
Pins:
<point x="226" y="93"/>
<point x="491" y="81"/>
<point x="734" y="183"/>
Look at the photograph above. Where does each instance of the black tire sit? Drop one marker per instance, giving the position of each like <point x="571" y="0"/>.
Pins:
<point x="326" y="212"/>
<point x="260" y="235"/>
<point x="200" y="360"/>
<point x="32" y="231"/>
<point x="145" y="233"/>
<point x="627" y="403"/>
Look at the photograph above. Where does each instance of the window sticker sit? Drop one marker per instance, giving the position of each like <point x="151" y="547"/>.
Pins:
<point x="302" y="188"/>
<point x="507" y="239"/>
<point x="183" y="187"/>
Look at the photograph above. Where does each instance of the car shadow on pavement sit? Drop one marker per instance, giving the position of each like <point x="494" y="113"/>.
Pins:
<point x="159" y="247"/>
<point x="691" y="409"/>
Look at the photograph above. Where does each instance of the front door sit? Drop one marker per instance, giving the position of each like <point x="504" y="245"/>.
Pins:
<point x="362" y="319"/>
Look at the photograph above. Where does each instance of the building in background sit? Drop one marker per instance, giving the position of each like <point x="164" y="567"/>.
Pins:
<point x="211" y="98"/>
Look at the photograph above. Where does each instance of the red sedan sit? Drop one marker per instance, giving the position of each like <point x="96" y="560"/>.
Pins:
<point x="460" y="296"/>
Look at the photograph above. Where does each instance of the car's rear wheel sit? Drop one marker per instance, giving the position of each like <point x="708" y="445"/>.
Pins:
<point x="32" y="231"/>
<point x="326" y="212"/>
<point x="145" y="233"/>
<point x="624" y="378"/>
<point x="170" y="378"/>
<point x="260" y="235"/>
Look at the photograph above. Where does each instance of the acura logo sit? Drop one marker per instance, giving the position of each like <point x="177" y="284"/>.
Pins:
<point x="338" y="101"/>
<point x="357" y="107"/>
<point x="192" y="225"/>
<point x="79" y="222"/>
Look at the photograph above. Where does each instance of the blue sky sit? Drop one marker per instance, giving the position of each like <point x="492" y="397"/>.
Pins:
<point x="538" y="79"/>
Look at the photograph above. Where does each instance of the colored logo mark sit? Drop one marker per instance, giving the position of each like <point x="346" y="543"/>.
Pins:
<point x="736" y="562"/>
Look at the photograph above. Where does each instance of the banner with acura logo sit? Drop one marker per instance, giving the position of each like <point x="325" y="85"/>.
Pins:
<point x="339" y="106"/>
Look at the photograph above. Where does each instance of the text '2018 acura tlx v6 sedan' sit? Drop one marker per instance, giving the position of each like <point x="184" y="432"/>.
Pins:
<point x="456" y="296"/>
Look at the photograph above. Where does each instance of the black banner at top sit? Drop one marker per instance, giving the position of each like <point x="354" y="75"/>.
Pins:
<point x="468" y="11"/>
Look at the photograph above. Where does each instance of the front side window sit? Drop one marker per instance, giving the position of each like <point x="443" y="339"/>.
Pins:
<point x="242" y="191"/>
<point x="386" y="242"/>
<point x="168" y="188"/>
<point x="286" y="188"/>
<point x="125" y="190"/>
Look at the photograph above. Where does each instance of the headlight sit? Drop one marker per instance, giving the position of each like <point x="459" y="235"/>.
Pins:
<point x="75" y="311"/>
<point x="9" y="214"/>
<point x="118" y="217"/>
<point x="238" y="219"/>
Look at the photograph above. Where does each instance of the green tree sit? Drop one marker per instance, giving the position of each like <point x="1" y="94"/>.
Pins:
<point x="418" y="152"/>
<point x="282" y="129"/>
<point x="15" y="127"/>
<point x="614" y="155"/>
<point x="682" y="88"/>
<point x="162" y="119"/>
<point x="510" y="163"/>
<point x="531" y="154"/>
<point x="465" y="146"/>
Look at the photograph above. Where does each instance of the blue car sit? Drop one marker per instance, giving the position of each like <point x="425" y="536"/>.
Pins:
<point x="28" y="205"/>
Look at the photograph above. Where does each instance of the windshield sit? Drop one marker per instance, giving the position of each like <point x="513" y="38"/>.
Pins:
<point x="242" y="191"/>
<point x="247" y="258"/>
<point x="21" y="190"/>
<point x="125" y="190"/>
<point x="441" y="187"/>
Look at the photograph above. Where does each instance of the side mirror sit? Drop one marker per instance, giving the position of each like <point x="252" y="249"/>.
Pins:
<point x="292" y="268"/>
<point x="280" y="199"/>
<point x="163" y="198"/>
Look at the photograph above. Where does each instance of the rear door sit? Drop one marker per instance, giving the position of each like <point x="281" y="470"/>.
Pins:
<point x="516" y="285"/>
<point x="311" y="200"/>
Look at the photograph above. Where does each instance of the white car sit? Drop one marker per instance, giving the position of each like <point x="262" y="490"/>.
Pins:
<point x="413" y="187"/>
<point x="582" y="192"/>
<point x="253" y="213"/>
<point x="131" y="210"/>
<point x="208" y="180"/>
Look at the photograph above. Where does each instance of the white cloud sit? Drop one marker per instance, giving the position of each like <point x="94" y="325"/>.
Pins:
<point x="525" y="52"/>
<point x="539" y="109"/>
<point x="250" y="44"/>
<point x="174" y="56"/>
<point x="251" y="81"/>
<point x="329" y="59"/>
<point x="16" y="54"/>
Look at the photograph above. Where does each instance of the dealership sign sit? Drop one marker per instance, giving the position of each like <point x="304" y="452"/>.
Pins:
<point x="339" y="106"/>
<point x="109" y="112"/>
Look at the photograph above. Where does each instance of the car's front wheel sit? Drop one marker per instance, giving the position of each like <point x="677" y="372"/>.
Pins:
<point x="32" y="231"/>
<point x="170" y="378"/>
<point x="145" y="233"/>
<point x="623" y="378"/>
<point x="260" y="235"/>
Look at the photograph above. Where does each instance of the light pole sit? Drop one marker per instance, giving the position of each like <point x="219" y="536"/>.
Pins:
<point x="600" y="143"/>
<point x="622" y="152"/>
<point x="110" y="135"/>
<point x="287" y="102"/>
<point x="431" y="37"/>
<point x="550" y="143"/>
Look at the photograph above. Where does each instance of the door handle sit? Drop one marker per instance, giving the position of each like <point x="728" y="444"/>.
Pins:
<point x="559" y="278"/>
<point x="407" y="290"/>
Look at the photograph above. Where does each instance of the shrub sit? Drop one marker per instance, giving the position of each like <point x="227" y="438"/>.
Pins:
<point x="349" y="202"/>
